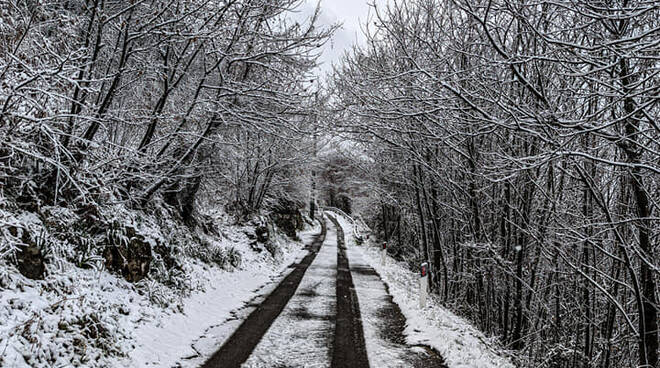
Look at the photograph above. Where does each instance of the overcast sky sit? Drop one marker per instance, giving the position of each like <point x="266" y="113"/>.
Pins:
<point x="352" y="14"/>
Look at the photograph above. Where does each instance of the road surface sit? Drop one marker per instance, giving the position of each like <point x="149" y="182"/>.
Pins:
<point x="332" y="310"/>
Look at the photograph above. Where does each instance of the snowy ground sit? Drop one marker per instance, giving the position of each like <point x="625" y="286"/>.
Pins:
<point x="36" y="319"/>
<point x="40" y="326"/>
<point x="461" y="345"/>
<point x="187" y="339"/>
<point x="94" y="319"/>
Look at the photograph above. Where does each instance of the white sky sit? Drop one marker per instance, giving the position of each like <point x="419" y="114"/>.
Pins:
<point x="352" y="14"/>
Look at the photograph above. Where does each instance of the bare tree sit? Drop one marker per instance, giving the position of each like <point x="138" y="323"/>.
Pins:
<point x="526" y="138"/>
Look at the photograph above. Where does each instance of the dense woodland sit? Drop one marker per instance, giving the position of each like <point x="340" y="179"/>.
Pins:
<point x="513" y="144"/>
<point x="106" y="102"/>
<point x="516" y="145"/>
<point x="133" y="136"/>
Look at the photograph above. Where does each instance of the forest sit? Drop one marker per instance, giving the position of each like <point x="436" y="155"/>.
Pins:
<point x="513" y="145"/>
<point x="124" y="127"/>
<point x="516" y="145"/>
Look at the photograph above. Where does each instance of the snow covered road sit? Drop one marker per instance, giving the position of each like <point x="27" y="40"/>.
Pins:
<point x="302" y="335"/>
<point x="241" y="344"/>
<point x="340" y="315"/>
<point x="383" y="322"/>
<point x="381" y="319"/>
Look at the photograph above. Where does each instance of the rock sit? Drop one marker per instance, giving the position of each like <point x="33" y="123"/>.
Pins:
<point x="289" y="223"/>
<point x="29" y="258"/>
<point x="132" y="261"/>
<point x="287" y="217"/>
<point x="262" y="234"/>
<point x="31" y="262"/>
<point x="285" y="213"/>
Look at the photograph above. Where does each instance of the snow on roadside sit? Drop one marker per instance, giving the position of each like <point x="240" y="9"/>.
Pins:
<point x="171" y="339"/>
<point x="42" y="326"/>
<point x="84" y="317"/>
<point x="462" y="345"/>
<point x="168" y="338"/>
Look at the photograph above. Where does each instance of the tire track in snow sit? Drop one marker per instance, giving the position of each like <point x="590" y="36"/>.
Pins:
<point x="383" y="322"/>
<point x="302" y="335"/>
<point x="237" y="349"/>
<point x="349" y="345"/>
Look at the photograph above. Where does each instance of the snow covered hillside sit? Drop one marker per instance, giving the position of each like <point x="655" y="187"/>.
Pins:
<point x="89" y="317"/>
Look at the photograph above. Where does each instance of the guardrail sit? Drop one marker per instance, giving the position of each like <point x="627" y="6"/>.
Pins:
<point x="357" y="223"/>
<point x="338" y="211"/>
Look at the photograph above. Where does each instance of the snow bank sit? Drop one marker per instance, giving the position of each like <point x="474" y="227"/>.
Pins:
<point x="91" y="318"/>
<point x="462" y="345"/>
<point x="188" y="338"/>
<point x="41" y="326"/>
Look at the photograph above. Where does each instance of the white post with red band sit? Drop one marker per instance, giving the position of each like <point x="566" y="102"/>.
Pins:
<point x="423" y="284"/>
<point x="383" y="254"/>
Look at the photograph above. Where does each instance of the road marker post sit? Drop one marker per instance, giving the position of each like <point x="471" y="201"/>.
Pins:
<point x="423" y="284"/>
<point x="383" y="254"/>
